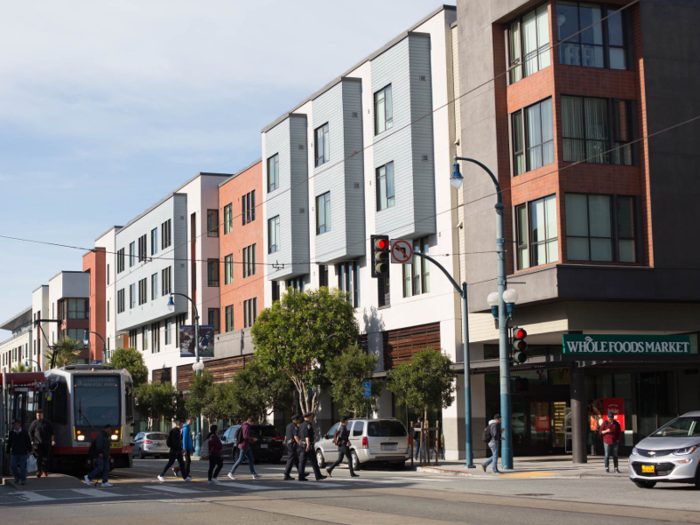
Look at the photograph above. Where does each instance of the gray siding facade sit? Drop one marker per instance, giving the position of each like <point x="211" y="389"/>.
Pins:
<point x="409" y="143"/>
<point x="341" y="108"/>
<point x="290" y="200"/>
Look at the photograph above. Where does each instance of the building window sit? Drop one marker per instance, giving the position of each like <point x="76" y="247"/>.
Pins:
<point x="596" y="130"/>
<point x="154" y="241"/>
<point x="120" y="260"/>
<point x="120" y="301"/>
<point x="296" y="284"/>
<point x="250" y="312"/>
<point x="108" y="274"/>
<point x="143" y="291"/>
<point x="275" y="291"/>
<point x="132" y="254"/>
<point x="248" y="211"/>
<point x="154" y="287"/>
<point x="212" y="223"/>
<point x="107" y="312"/>
<point x="142" y="248"/>
<point x="250" y="260"/>
<point x="229" y="318"/>
<point x="322" y="275"/>
<point x="228" y="218"/>
<point x="144" y="339"/>
<point x="166" y="231"/>
<point x="383" y="290"/>
<point x="416" y="276"/>
<point x="228" y="269"/>
<point x="603" y="45"/>
<point x="600" y="228"/>
<point x="323" y="213"/>
<point x="273" y="234"/>
<point x="528" y="43"/>
<point x="213" y="272"/>
<point x="383" y="110"/>
<point x="273" y="173"/>
<point x="168" y="332"/>
<point x="533" y="137"/>
<point x="155" y="337"/>
<point x="537" y="233"/>
<point x="132" y="295"/>
<point x="323" y="147"/>
<point x="78" y="309"/>
<point x="349" y="281"/>
<point x="167" y="277"/>
<point x="213" y="318"/>
<point x="385" y="186"/>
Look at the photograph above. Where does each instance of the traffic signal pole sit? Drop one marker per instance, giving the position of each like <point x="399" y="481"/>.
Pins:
<point x="462" y="290"/>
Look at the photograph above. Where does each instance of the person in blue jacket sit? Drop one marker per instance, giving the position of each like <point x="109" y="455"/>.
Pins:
<point x="187" y="448"/>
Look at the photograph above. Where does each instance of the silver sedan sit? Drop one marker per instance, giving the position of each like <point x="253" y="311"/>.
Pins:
<point x="150" y="444"/>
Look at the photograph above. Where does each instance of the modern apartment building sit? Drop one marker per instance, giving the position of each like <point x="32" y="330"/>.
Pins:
<point x="69" y="303"/>
<point x="17" y="349"/>
<point x="570" y="105"/>
<point x="371" y="153"/>
<point x="171" y="247"/>
<point x="40" y="330"/>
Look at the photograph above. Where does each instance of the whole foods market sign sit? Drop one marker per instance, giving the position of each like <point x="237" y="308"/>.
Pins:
<point x="626" y="344"/>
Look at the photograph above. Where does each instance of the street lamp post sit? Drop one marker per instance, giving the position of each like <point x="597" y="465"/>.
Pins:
<point x="28" y="360"/>
<point x="197" y="366"/>
<point x="504" y="364"/>
<point x="86" y="342"/>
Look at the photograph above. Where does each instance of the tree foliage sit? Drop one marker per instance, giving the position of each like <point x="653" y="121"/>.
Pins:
<point x="425" y="382"/>
<point x="131" y="360"/>
<point x="301" y="334"/>
<point x="160" y="400"/>
<point x="202" y="394"/>
<point x="63" y="354"/>
<point x="256" y="391"/>
<point x="347" y="372"/>
<point x="21" y="368"/>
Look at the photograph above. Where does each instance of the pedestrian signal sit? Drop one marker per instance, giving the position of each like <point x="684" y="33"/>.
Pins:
<point x="380" y="256"/>
<point x="519" y="346"/>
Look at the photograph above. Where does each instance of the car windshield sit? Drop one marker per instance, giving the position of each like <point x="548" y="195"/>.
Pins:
<point x="157" y="437"/>
<point x="96" y="401"/>
<point x="385" y="429"/>
<point x="681" y="427"/>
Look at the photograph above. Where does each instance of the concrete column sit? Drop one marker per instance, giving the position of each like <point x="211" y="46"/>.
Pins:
<point x="579" y="413"/>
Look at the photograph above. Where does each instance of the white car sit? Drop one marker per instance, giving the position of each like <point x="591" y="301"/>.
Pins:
<point x="371" y="441"/>
<point x="150" y="444"/>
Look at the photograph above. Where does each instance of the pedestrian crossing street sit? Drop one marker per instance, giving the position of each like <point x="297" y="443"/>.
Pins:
<point x="181" y="489"/>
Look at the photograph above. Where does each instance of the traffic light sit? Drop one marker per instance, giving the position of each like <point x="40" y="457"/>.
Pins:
<point x="519" y="346"/>
<point x="380" y="256"/>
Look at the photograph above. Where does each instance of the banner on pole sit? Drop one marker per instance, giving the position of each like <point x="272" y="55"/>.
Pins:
<point x="206" y="341"/>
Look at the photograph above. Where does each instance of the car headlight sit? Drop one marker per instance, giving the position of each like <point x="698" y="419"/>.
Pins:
<point x="685" y="451"/>
<point x="635" y="451"/>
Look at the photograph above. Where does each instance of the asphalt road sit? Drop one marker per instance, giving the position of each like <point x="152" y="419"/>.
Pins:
<point x="377" y="497"/>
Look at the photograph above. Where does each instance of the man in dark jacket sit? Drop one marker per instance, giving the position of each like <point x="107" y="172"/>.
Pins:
<point x="495" y="432"/>
<point x="291" y="440"/>
<point x="342" y="441"/>
<point x="18" y="447"/>
<point x="187" y="447"/>
<point x="103" y="445"/>
<point x="175" y="444"/>
<point x="245" y="450"/>
<point x="306" y="448"/>
<point x="42" y="437"/>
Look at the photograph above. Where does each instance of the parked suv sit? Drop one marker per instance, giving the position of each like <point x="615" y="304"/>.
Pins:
<point x="671" y="454"/>
<point x="150" y="444"/>
<point x="371" y="441"/>
<point x="268" y="447"/>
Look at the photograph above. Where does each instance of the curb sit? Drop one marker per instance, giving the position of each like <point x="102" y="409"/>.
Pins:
<point x="465" y="474"/>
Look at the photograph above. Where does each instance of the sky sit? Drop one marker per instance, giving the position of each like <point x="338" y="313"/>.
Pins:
<point x="106" y="107"/>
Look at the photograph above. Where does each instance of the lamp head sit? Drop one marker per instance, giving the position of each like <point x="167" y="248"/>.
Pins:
<point x="510" y="296"/>
<point x="171" y="304"/>
<point x="198" y="366"/>
<point x="456" y="179"/>
<point x="86" y="341"/>
<point x="492" y="299"/>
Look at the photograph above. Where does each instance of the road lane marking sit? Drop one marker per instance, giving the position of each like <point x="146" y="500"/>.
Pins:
<point x="245" y="486"/>
<point x="174" y="490"/>
<point x="528" y="475"/>
<point x="95" y="493"/>
<point x="31" y="497"/>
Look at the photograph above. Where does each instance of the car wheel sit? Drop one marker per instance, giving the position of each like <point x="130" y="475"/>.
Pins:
<point x="644" y="484"/>
<point x="356" y="465"/>
<point x="697" y="478"/>
<point x="320" y="459"/>
<point x="141" y="454"/>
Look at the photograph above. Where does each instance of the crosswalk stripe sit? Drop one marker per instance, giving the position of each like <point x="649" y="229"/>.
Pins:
<point x="31" y="497"/>
<point x="95" y="493"/>
<point x="174" y="490"/>
<point x="245" y="486"/>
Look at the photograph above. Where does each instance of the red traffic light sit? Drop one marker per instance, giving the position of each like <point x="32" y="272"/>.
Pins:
<point x="520" y="334"/>
<point x="382" y="244"/>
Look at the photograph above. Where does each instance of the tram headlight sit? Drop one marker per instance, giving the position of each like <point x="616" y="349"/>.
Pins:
<point x="114" y="437"/>
<point x="81" y="438"/>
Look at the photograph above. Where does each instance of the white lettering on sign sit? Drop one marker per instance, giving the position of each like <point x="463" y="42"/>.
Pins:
<point x="589" y="346"/>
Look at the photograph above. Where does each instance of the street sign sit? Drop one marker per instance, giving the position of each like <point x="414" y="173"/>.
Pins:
<point x="401" y="252"/>
<point x="367" y="390"/>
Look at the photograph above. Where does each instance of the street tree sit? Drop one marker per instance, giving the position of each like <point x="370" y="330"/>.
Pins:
<point x="63" y="354"/>
<point x="132" y="361"/>
<point x="257" y="390"/>
<point x="18" y="368"/>
<point x="347" y="372"/>
<point x="426" y="382"/>
<point x="160" y="400"/>
<point x="202" y="395"/>
<point x="300" y="334"/>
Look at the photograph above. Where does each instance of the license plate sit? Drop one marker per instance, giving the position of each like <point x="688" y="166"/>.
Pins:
<point x="115" y="444"/>
<point x="648" y="469"/>
<point x="389" y="447"/>
<point x="263" y="446"/>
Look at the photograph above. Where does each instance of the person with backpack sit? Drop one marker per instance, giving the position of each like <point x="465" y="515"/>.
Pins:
<point x="174" y="442"/>
<point x="341" y="439"/>
<point x="187" y="448"/>
<point x="416" y="438"/>
<point x="212" y="448"/>
<point x="17" y="449"/>
<point x="611" y="432"/>
<point x="41" y="434"/>
<point x="244" y="439"/>
<point x="102" y="447"/>
<point x="493" y="436"/>
<point x="291" y="440"/>
<point x="306" y="448"/>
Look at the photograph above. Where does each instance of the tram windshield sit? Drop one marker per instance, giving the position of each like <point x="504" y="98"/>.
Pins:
<point x="96" y="401"/>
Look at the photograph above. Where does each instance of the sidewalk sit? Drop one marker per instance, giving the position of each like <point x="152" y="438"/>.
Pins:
<point x="532" y="467"/>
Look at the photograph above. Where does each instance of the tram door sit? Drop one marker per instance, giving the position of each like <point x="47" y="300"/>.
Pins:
<point x="22" y="405"/>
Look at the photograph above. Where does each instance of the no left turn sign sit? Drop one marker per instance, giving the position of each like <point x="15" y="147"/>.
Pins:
<point x="401" y="252"/>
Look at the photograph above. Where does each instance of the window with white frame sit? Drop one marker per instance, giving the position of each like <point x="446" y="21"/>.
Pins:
<point x="537" y="233"/>
<point x="533" y="137"/>
<point x="273" y="234"/>
<point x="416" y="276"/>
<point x="349" y="281"/>
<point x="154" y="241"/>
<point x="132" y="295"/>
<point x="250" y="312"/>
<point x="228" y="219"/>
<point x="154" y="287"/>
<point x="385" y="186"/>
<point x="323" y="147"/>
<point x="273" y="173"/>
<point x="528" y="43"/>
<point x="383" y="110"/>
<point x="250" y="255"/>
<point x="228" y="269"/>
<point x="323" y="213"/>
